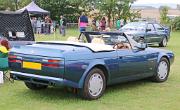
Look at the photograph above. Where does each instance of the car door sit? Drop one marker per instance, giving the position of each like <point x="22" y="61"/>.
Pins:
<point x="151" y="34"/>
<point x="160" y="32"/>
<point x="132" y="62"/>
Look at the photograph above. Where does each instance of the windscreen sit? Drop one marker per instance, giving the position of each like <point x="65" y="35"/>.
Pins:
<point x="103" y="38"/>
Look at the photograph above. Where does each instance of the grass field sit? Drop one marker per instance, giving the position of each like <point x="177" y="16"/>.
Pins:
<point x="138" y="95"/>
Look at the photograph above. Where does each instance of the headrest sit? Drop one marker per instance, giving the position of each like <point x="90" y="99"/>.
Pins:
<point x="73" y="39"/>
<point x="98" y="41"/>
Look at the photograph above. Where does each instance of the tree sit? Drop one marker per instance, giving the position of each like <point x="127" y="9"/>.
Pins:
<point x="107" y="7"/>
<point x="23" y="3"/>
<point x="68" y="8"/>
<point x="124" y="11"/>
<point x="7" y="4"/>
<point x="163" y="15"/>
<point x="120" y="7"/>
<point x="72" y="8"/>
<point x="176" y="24"/>
<point x="13" y="5"/>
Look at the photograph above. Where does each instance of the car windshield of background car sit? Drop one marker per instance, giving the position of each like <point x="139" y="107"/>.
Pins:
<point x="135" y="26"/>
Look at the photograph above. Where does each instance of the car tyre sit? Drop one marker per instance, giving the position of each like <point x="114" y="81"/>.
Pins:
<point x="162" y="71"/>
<point x="163" y="42"/>
<point x="33" y="86"/>
<point x="94" y="85"/>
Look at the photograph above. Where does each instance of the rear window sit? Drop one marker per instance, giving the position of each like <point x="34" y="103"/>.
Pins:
<point x="137" y="26"/>
<point x="158" y="27"/>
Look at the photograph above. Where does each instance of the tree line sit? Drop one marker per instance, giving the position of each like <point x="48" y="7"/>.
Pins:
<point x="165" y="20"/>
<point x="73" y="8"/>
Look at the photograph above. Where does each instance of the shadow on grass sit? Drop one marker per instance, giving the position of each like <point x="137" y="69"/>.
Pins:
<point x="59" y="94"/>
<point x="50" y="94"/>
<point x="128" y="85"/>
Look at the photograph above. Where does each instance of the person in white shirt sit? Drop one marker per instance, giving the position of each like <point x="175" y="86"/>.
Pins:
<point x="38" y="26"/>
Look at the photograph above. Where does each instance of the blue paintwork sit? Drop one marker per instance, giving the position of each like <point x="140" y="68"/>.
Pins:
<point x="76" y="61"/>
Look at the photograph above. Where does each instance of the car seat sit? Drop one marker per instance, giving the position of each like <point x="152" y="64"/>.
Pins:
<point x="98" y="41"/>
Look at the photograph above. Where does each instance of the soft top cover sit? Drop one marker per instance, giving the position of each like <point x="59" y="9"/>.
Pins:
<point x="92" y="46"/>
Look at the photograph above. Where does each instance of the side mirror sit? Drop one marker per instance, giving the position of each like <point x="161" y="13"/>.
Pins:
<point x="147" y="30"/>
<point x="142" y="46"/>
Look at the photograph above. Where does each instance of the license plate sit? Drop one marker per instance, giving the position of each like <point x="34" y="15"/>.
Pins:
<point x="32" y="65"/>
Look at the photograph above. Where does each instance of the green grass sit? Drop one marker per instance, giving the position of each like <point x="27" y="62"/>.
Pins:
<point x="138" y="95"/>
<point x="57" y="36"/>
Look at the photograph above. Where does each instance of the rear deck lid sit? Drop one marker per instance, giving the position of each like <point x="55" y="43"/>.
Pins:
<point x="38" y="50"/>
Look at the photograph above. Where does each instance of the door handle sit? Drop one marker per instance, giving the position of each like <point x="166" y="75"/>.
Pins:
<point x="120" y="57"/>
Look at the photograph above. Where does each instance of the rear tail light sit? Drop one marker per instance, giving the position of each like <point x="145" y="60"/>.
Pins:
<point x="53" y="61"/>
<point x="15" y="61"/>
<point x="51" y="65"/>
<point x="12" y="56"/>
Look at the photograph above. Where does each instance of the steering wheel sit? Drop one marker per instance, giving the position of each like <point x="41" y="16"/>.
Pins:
<point x="119" y="45"/>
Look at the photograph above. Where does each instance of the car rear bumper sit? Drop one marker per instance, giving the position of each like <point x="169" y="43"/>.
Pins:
<point x="44" y="80"/>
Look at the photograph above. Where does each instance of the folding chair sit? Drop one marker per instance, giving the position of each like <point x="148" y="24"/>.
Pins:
<point x="4" y="66"/>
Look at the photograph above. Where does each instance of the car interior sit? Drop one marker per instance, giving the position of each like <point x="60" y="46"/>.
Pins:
<point x="117" y="42"/>
<point x="104" y="39"/>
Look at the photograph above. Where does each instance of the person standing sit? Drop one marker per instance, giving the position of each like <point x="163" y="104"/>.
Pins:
<point x="94" y="27"/>
<point x="60" y="24"/>
<point x="33" y="23"/>
<point x="83" y="22"/>
<point x="122" y="22"/>
<point x="38" y="26"/>
<point x="48" y="23"/>
<point x="103" y="24"/>
<point x="118" y="24"/>
<point x="54" y="26"/>
<point x="63" y="26"/>
<point x="43" y="26"/>
<point x="97" y="25"/>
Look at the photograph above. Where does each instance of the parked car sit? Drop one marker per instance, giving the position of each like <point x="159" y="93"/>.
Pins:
<point x="98" y="60"/>
<point x="150" y="32"/>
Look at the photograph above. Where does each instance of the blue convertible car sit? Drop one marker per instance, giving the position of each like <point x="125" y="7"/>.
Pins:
<point x="89" y="63"/>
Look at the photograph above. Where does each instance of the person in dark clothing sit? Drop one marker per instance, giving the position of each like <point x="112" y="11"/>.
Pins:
<point x="48" y="23"/>
<point x="94" y="27"/>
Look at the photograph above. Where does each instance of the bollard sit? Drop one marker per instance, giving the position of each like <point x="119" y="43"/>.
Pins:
<point x="1" y="77"/>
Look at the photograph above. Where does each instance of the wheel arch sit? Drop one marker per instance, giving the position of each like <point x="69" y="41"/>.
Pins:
<point x="100" y="66"/>
<point x="104" y="69"/>
<point x="166" y="58"/>
<point x="165" y="36"/>
<point x="161" y="56"/>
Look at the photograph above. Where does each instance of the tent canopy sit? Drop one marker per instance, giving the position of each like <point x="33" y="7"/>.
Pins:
<point x="32" y="8"/>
